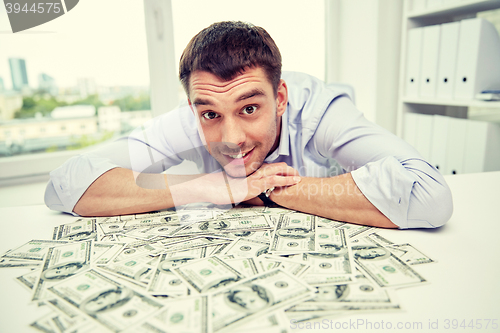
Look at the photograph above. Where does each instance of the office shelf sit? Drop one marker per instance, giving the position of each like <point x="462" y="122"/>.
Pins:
<point x="448" y="9"/>
<point x="448" y="102"/>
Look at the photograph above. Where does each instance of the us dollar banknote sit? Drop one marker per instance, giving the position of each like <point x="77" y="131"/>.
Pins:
<point x="245" y="266"/>
<point x="208" y="274"/>
<point x="106" y="252"/>
<point x="251" y="223"/>
<point x="382" y="266"/>
<point x="109" y="303"/>
<point x="32" y="250"/>
<point x="193" y="243"/>
<point x="332" y="262"/>
<point x="362" y="293"/>
<point x="28" y="280"/>
<point x="294" y="233"/>
<point x="136" y="270"/>
<point x="81" y="229"/>
<point x="276" y="322"/>
<point x="8" y="263"/>
<point x="180" y="315"/>
<point x="409" y="254"/>
<point x="245" y="248"/>
<point x="356" y="230"/>
<point x="264" y="293"/>
<point x="290" y="266"/>
<point x="60" y="263"/>
<point x="164" y="282"/>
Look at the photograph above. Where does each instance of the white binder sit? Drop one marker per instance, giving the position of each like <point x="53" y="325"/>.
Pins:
<point x="457" y="129"/>
<point x="424" y="135"/>
<point x="410" y="128"/>
<point x="478" y="63"/>
<point x="418" y="5"/>
<point x="439" y="142"/>
<point x="430" y="56"/>
<point x="448" y="48"/>
<point x="482" y="147"/>
<point x="432" y="4"/>
<point x="413" y="60"/>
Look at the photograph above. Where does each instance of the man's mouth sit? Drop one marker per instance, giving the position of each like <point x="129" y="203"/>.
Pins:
<point x="240" y="155"/>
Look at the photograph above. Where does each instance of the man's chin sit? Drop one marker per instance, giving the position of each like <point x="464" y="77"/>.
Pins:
<point x="239" y="171"/>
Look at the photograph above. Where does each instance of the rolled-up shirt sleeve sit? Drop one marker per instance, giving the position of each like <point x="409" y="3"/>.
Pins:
<point x="70" y="181"/>
<point x="390" y="173"/>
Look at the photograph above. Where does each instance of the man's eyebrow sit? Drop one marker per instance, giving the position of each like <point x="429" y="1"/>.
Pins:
<point x="201" y="101"/>
<point x="250" y="94"/>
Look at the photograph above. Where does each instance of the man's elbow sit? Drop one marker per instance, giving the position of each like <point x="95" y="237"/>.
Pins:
<point x="437" y="208"/>
<point x="52" y="200"/>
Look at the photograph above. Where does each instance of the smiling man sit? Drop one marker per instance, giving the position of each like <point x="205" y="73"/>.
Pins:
<point x="257" y="136"/>
<point x="240" y="119"/>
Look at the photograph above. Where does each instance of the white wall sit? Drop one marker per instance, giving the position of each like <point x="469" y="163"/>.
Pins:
<point x="366" y="34"/>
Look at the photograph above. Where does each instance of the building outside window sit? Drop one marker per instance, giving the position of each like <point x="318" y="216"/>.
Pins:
<point x="50" y="73"/>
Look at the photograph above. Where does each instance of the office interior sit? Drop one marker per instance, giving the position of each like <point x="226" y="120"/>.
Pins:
<point x="391" y="54"/>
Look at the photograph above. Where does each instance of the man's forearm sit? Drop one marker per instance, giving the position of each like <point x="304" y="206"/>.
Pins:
<point x="337" y="198"/>
<point x="118" y="192"/>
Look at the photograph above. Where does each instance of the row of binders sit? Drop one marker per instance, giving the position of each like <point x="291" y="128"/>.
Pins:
<point x="454" y="60"/>
<point x="454" y="145"/>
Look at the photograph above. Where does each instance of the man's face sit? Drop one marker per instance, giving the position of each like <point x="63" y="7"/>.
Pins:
<point x="238" y="120"/>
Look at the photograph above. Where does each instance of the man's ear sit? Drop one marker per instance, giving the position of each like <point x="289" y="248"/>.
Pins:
<point x="281" y="98"/>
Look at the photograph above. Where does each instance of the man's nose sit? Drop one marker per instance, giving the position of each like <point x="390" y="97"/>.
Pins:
<point x="233" y="132"/>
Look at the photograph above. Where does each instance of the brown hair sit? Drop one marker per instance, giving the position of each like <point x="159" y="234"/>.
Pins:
<point x="225" y="49"/>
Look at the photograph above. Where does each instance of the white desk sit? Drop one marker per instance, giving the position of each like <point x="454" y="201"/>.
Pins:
<point x="464" y="283"/>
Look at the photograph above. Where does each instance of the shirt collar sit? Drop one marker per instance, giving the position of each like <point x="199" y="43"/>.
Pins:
<point x="284" y="145"/>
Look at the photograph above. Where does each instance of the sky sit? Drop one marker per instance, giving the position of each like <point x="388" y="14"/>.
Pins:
<point x="106" y="39"/>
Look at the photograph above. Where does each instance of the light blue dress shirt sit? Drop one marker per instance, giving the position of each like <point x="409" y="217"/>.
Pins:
<point x="322" y="135"/>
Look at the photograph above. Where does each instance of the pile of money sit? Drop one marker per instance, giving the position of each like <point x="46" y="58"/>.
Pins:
<point x="206" y="269"/>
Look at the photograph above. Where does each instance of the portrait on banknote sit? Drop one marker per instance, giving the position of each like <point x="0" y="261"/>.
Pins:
<point x="214" y="225"/>
<point x="295" y="232"/>
<point x="248" y="298"/>
<point x="107" y="300"/>
<point x="174" y="262"/>
<point x="333" y="293"/>
<point x="60" y="272"/>
<point x="370" y="252"/>
<point x="84" y="235"/>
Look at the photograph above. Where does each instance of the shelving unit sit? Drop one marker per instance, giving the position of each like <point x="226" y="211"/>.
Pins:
<point x="452" y="102"/>
<point x="447" y="11"/>
<point x="439" y="12"/>
<point x="452" y="9"/>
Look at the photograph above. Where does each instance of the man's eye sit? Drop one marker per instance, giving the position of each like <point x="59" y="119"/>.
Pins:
<point x="210" y="115"/>
<point x="249" y="109"/>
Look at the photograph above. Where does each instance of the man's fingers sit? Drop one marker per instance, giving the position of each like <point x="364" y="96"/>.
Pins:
<point x="279" y="181"/>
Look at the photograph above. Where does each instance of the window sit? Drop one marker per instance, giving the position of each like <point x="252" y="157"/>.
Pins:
<point x="67" y="69"/>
